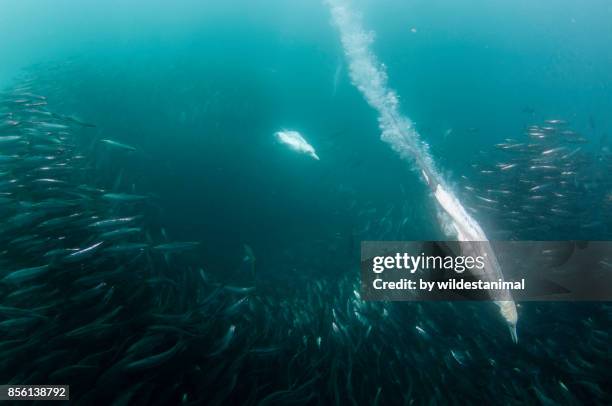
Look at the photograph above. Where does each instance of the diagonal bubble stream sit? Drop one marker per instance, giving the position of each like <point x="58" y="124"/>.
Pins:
<point x="369" y="76"/>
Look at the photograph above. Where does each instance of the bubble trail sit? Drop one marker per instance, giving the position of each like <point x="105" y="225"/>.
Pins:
<point x="369" y="76"/>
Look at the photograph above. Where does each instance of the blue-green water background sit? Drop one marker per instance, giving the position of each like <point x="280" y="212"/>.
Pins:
<point x="200" y="87"/>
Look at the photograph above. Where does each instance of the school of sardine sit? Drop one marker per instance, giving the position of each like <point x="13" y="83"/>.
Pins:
<point x="93" y="296"/>
<point x="549" y="183"/>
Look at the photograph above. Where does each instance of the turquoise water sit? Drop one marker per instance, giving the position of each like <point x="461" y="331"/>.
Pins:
<point x="218" y="79"/>
<point x="198" y="88"/>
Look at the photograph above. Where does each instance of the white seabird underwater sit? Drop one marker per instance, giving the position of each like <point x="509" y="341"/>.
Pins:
<point x="369" y="76"/>
<point x="296" y="142"/>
